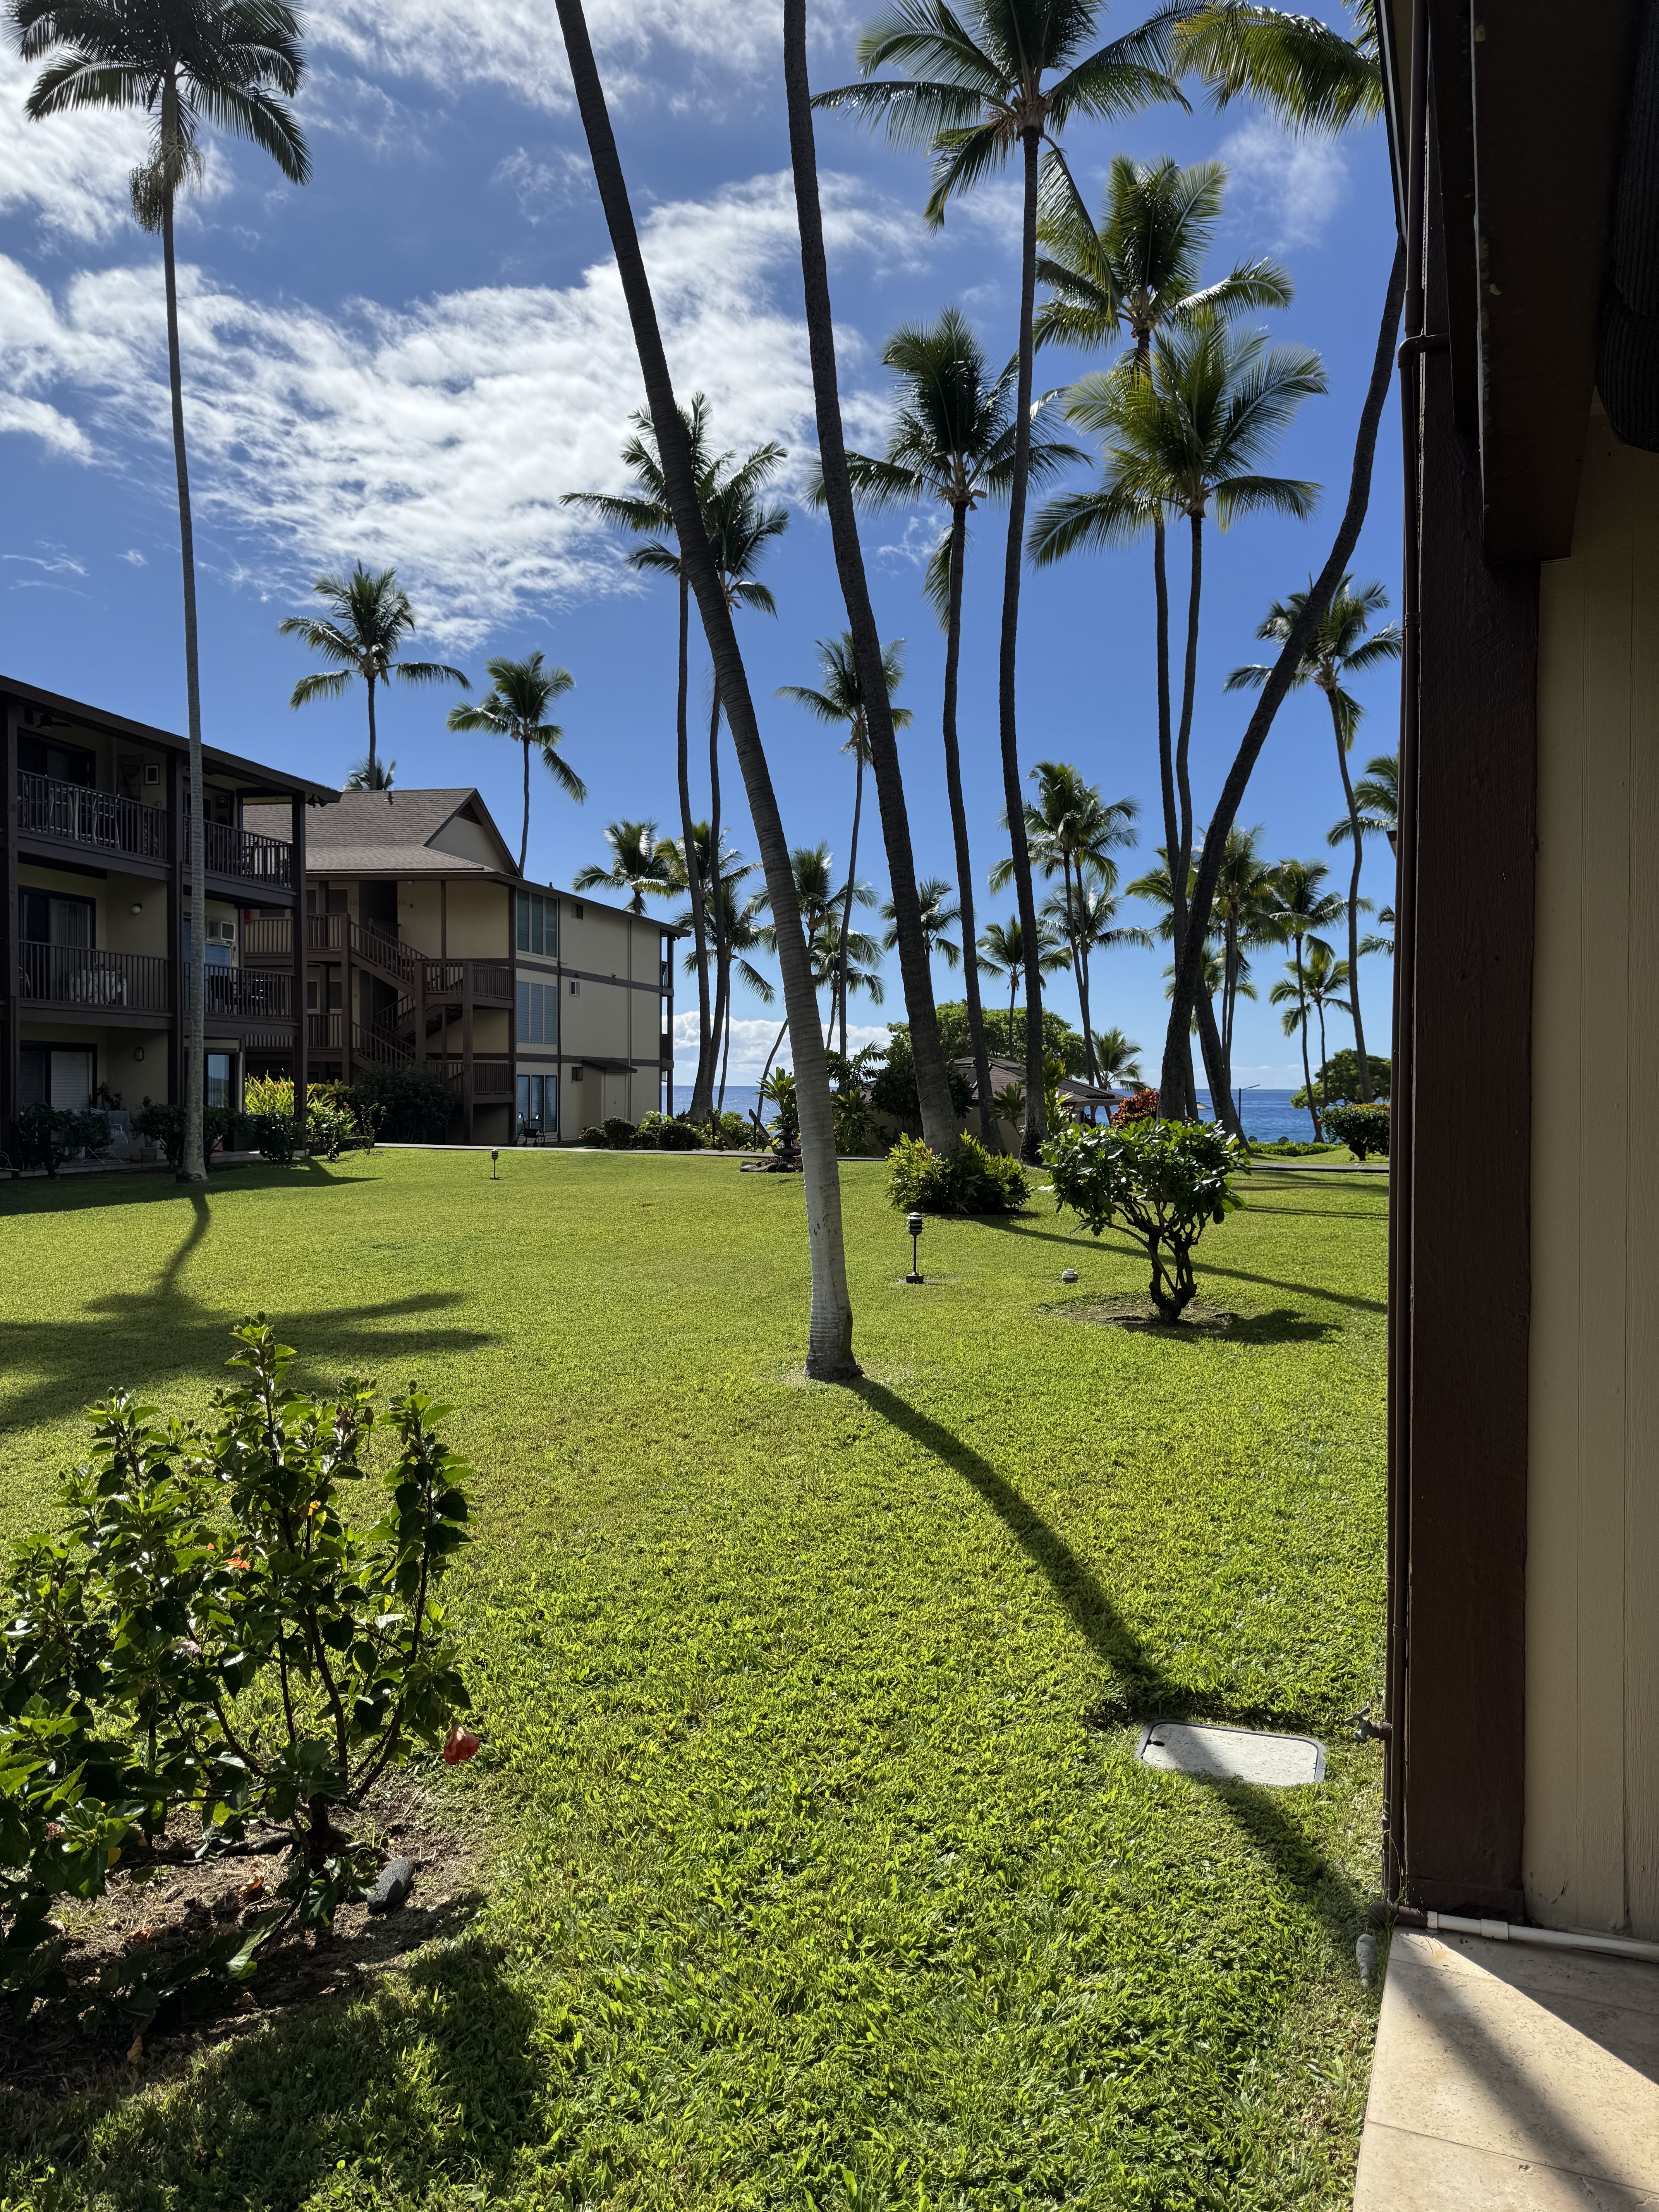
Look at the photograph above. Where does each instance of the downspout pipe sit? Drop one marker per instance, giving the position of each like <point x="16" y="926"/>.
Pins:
<point x="1514" y="1932"/>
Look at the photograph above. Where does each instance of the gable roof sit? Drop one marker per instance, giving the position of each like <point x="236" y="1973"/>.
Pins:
<point x="395" y="833"/>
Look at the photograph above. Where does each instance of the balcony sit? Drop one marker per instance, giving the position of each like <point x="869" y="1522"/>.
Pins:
<point x="492" y="1078"/>
<point x="244" y="854"/>
<point x="249" y="994"/>
<point x="92" y="982"/>
<point x="97" y="821"/>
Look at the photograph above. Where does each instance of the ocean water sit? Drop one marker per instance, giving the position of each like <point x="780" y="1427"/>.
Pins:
<point x="1266" y="1114"/>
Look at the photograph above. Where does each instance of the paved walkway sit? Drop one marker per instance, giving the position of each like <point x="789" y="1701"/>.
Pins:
<point x="1509" y="2079"/>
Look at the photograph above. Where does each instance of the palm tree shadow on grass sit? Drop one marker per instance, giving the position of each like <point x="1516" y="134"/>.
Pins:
<point x="1140" y="1688"/>
<point x="276" y="2107"/>
<point x="147" y="1339"/>
<point x="1121" y="1247"/>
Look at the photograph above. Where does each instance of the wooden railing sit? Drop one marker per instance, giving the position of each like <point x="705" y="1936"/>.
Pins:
<point x="101" y="820"/>
<point x="246" y="854"/>
<point x="263" y="994"/>
<point x="491" y="983"/>
<point x="491" y="1078"/>
<point x="379" y="1045"/>
<point x="325" y="1032"/>
<point x="83" y="978"/>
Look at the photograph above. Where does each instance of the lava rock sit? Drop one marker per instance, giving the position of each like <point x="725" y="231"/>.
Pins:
<point x="393" y="1886"/>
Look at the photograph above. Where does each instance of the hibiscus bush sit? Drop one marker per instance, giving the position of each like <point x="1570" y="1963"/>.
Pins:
<point x="1164" y="1182"/>
<point x="208" y="1639"/>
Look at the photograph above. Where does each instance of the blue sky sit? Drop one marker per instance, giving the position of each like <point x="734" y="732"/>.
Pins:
<point x="410" y="359"/>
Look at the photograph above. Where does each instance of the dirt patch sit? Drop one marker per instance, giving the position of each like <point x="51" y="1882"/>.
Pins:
<point x="170" y="1902"/>
<point x="1129" y="1312"/>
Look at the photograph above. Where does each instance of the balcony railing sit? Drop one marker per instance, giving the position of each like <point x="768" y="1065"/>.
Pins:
<point x="492" y="981"/>
<point x="93" y="982"/>
<point x="379" y="1045"/>
<point x="491" y="1078"/>
<point x="259" y="994"/>
<point x="247" y="855"/>
<point x="72" y="815"/>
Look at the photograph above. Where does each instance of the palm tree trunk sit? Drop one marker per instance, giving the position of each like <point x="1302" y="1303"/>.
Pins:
<point x="988" y="1113"/>
<point x="701" y="1087"/>
<point x="1177" y="1100"/>
<point x="725" y="1032"/>
<point x="760" y="1094"/>
<point x="1324" y="1049"/>
<point x="1362" y="1082"/>
<point x="829" y="1340"/>
<point x="524" y="833"/>
<point x="847" y="903"/>
<point x="1291" y="657"/>
<point x="717" y="897"/>
<point x="1307" y="1073"/>
<point x="1035" y="1125"/>
<point x="193" y="1167"/>
<point x="1180" y="864"/>
<point x="933" y="1089"/>
<point x="373" y="749"/>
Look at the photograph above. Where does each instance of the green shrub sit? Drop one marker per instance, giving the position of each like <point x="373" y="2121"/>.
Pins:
<point x="413" y="1103"/>
<point x="680" y="1136"/>
<point x="779" y="1091"/>
<point x="1164" y="1181"/>
<point x="893" y="1086"/>
<point x="1138" y="1106"/>
<point x="592" y="1136"/>
<point x="164" y="1125"/>
<point x="271" y="1135"/>
<point x="618" y="1132"/>
<point x="1363" y="1129"/>
<point x="330" y="1123"/>
<point x="268" y="1094"/>
<point x="969" y="1180"/>
<point x="52" y="1135"/>
<point x="208" y="1635"/>
<point x="1288" y="1148"/>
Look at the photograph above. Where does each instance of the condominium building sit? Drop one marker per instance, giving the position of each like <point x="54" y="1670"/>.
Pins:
<point x="94" y="907"/>
<point x="425" y="947"/>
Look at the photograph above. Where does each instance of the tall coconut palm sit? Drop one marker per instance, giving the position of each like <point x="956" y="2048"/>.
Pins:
<point x="829" y="1342"/>
<point x="647" y="512"/>
<point x="233" y="64"/>
<point x="951" y="446"/>
<point x="1002" y="952"/>
<point x="1317" y="979"/>
<point x="938" y="913"/>
<point x="1118" y="1058"/>
<point x="1004" y="77"/>
<point x="1312" y="77"/>
<point x="516" y="707"/>
<point x="1376" y="794"/>
<point x="932" y="1082"/>
<point x="822" y="902"/>
<point x="840" y="702"/>
<point x="1303" y="907"/>
<point x="1338" y="648"/>
<point x="640" y="865"/>
<point x="1072" y="831"/>
<point x="1246" y="913"/>
<point x="723" y="872"/>
<point x="372" y="616"/>
<point x="1186" y="437"/>
<point x="1086" y="920"/>
<point x="1214" y="974"/>
<point x="367" y="775"/>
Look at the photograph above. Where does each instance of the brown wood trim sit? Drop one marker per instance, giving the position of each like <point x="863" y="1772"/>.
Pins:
<point x="10" y="995"/>
<point x="1465" y="1302"/>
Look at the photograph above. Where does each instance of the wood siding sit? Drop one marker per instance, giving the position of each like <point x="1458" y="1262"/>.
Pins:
<point x="1592" y="1750"/>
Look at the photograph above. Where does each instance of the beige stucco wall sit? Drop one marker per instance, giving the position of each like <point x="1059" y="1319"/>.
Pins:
<point x="1592" y="1754"/>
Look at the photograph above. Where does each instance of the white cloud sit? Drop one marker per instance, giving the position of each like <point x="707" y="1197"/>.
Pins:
<point x="54" y="560"/>
<point x="752" y="1040"/>
<point x="542" y="188"/>
<point x="695" y="53"/>
<point x="438" y="436"/>
<point x="133" y="558"/>
<point x="1284" y="189"/>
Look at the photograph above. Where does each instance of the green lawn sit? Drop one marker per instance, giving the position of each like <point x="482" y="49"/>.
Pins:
<point x="825" y="1876"/>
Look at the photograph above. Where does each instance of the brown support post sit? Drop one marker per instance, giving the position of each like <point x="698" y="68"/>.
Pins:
<point x="512" y="1018"/>
<point x="1462" y="1287"/>
<point x="11" y="997"/>
<point x="177" y="974"/>
<point x="299" y="947"/>
<point x="466" y="1048"/>
<point x="348" y="994"/>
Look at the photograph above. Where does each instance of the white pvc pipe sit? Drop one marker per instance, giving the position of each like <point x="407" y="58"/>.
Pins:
<point x="1554" y="1939"/>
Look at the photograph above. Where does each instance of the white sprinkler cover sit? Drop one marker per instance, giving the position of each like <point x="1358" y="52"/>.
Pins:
<point x="1230" y="1755"/>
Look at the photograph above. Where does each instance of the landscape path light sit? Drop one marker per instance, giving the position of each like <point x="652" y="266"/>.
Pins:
<point x="495" y="1154"/>
<point x="914" y="1224"/>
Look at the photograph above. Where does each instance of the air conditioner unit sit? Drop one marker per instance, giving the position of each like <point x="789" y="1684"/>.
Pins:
<point x="222" y="933"/>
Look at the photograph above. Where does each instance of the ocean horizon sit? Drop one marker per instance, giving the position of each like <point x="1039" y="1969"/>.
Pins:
<point x="1267" y="1114"/>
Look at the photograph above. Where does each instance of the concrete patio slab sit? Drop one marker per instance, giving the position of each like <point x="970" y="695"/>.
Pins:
<point x="1509" y="2079"/>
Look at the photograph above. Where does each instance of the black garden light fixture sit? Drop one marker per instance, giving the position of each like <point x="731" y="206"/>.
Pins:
<point x="914" y="1224"/>
<point x="495" y="1154"/>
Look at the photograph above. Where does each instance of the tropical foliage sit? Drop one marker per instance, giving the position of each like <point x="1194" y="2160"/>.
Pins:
<point x="1164" y="1182"/>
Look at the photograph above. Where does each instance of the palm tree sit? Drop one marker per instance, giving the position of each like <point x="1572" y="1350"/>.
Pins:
<point x="371" y="775"/>
<point x="999" y="75"/>
<point x="1214" y="977"/>
<point x="951" y="446"/>
<point x="1301" y="906"/>
<point x="1069" y="831"/>
<point x="647" y="511"/>
<point x="1379" y="943"/>
<point x="1338" y="648"/>
<point x="1086" y="921"/>
<point x="1002" y="951"/>
<point x="234" y="64"/>
<point x="1319" y="981"/>
<point x="933" y="1083"/>
<point x="1378" y="796"/>
<point x="1187" y="436"/>
<point x="1118" y="1058"/>
<point x="720" y="869"/>
<point x="841" y="704"/>
<point x="1312" y="77"/>
<point x="938" y="915"/>
<point x="822" y="901"/>
<point x="516" y="707"/>
<point x="830" y="1338"/>
<point x="640" y="865"/>
<point x="1246" y="913"/>
<point x="371" y="616"/>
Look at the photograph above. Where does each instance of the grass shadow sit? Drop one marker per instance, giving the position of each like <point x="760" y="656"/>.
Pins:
<point x="1142" y="1689"/>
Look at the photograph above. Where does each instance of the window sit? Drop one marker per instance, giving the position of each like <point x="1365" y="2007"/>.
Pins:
<point x="538" y="1013"/>
<point x="337" y="898"/>
<point x="537" y="924"/>
<point x="54" y="1075"/>
<point x="50" y="757"/>
<point x="218" y="1090"/>
<point x="576" y="1075"/>
<point x="46" y="918"/>
<point x="576" y="909"/>
<point x="575" y="988"/>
